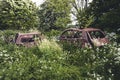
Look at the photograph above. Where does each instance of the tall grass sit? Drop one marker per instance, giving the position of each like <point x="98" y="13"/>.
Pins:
<point x="54" y="62"/>
<point x="45" y="62"/>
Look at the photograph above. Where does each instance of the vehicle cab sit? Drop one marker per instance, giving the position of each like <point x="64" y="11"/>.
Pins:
<point x="84" y="37"/>
<point x="28" y="39"/>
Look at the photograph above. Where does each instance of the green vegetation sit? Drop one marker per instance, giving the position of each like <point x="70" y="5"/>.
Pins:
<point x="106" y="14"/>
<point x="50" y="59"/>
<point x="53" y="61"/>
<point x="54" y="14"/>
<point x="18" y="14"/>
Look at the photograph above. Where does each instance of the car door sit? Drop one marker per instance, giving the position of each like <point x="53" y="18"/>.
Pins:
<point x="78" y="38"/>
<point x="98" y="38"/>
<point x="72" y="36"/>
<point x="67" y="36"/>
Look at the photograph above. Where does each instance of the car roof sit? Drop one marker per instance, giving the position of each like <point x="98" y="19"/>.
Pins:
<point x="85" y="29"/>
<point x="91" y="29"/>
<point x="31" y="33"/>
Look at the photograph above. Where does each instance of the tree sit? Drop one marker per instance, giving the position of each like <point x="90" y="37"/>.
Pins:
<point x="18" y="14"/>
<point x="79" y="8"/>
<point x="106" y="14"/>
<point x="54" y="14"/>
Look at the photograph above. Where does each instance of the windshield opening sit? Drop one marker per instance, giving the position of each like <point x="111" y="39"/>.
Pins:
<point x="96" y="34"/>
<point x="23" y="40"/>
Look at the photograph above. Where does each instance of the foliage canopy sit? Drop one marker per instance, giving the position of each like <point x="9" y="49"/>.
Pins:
<point x="54" y="14"/>
<point x="18" y="14"/>
<point x="106" y="14"/>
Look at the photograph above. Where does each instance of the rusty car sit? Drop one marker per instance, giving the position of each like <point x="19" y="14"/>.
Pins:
<point x="86" y="37"/>
<point x="28" y="39"/>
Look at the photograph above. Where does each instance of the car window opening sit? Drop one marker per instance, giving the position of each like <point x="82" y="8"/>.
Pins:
<point x="96" y="34"/>
<point x="27" y="40"/>
<point x="78" y="35"/>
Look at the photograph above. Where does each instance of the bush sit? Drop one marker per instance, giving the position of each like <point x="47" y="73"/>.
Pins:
<point x="51" y="61"/>
<point x="7" y="36"/>
<point x="53" y="33"/>
<point x="45" y="62"/>
<point x="101" y="63"/>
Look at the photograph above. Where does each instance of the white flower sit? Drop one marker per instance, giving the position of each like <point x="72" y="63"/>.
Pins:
<point x="4" y="51"/>
<point x="6" y="55"/>
<point x="1" y="54"/>
<point x="119" y="51"/>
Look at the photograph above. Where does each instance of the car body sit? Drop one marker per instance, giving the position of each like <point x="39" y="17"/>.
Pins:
<point x="86" y="37"/>
<point x="28" y="39"/>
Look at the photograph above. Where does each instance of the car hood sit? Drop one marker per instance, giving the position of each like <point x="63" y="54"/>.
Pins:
<point x="100" y="41"/>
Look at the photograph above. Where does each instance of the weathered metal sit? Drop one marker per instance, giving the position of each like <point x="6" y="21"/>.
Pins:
<point x="87" y="36"/>
<point x="28" y="39"/>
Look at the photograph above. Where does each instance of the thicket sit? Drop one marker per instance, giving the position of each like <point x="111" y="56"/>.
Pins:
<point x="18" y="14"/>
<point x="51" y="60"/>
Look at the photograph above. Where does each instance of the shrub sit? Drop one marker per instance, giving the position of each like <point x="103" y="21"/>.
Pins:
<point x="98" y="63"/>
<point x="52" y="33"/>
<point x="7" y="36"/>
<point x="53" y="61"/>
<point x="45" y="62"/>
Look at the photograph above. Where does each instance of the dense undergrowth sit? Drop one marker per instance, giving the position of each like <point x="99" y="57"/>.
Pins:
<point x="51" y="60"/>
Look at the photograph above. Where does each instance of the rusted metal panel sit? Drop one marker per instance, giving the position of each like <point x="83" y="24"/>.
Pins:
<point x="28" y="39"/>
<point x="89" y="36"/>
